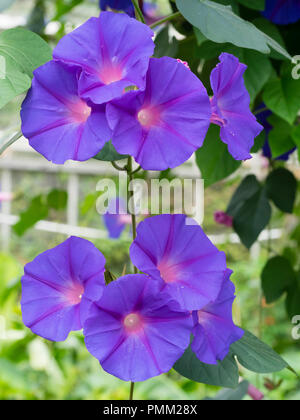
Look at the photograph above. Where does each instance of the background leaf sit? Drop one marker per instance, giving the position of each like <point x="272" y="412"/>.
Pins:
<point x="252" y="218"/>
<point x="293" y="298"/>
<point x="281" y="95"/>
<point x="247" y="188"/>
<point x="57" y="199"/>
<point x="109" y="153"/>
<point x="224" y="374"/>
<point x="219" y="24"/>
<point x="165" y="45"/>
<point x="213" y="158"/>
<point x="276" y="277"/>
<point x="253" y="4"/>
<point x="257" y="356"/>
<point x="280" y="137"/>
<point x="233" y="395"/>
<point x="23" y="52"/>
<point x="38" y="209"/>
<point x="281" y="188"/>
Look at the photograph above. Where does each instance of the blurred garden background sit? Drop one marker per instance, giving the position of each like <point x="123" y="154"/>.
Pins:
<point x="43" y="203"/>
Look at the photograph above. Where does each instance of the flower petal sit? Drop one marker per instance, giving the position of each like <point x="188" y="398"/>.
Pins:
<point x="161" y="338"/>
<point x="163" y="126"/>
<point x="57" y="122"/>
<point x="58" y="286"/>
<point x="113" y="52"/>
<point x="230" y="107"/>
<point x="214" y="330"/>
<point x="181" y="258"/>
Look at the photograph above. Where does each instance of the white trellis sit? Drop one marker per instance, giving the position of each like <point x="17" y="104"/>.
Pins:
<point x="22" y="158"/>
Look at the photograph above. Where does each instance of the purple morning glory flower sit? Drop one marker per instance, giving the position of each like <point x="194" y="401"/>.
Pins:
<point x="162" y="126"/>
<point x="113" y="52"/>
<point x="116" y="218"/>
<point x="58" y="287"/>
<point x="263" y="119"/>
<point x="123" y="5"/>
<point x="181" y="258"/>
<point x="230" y="107"/>
<point x="282" y="12"/>
<point x="57" y="121"/>
<point x="134" y="331"/>
<point x="214" y="330"/>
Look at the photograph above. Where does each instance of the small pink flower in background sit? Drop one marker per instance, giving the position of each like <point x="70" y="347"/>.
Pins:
<point x="223" y="218"/>
<point x="6" y="196"/>
<point x="255" y="393"/>
<point x="265" y="162"/>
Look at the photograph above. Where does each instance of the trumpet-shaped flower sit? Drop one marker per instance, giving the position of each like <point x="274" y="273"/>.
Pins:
<point x="133" y="330"/>
<point x="214" y="330"/>
<point x="58" y="122"/>
<point x="282" y="12"/>
<point x="181" y="258"/>
<point x="116" y="218"/>
<point x="58" y="287"/>
<point x="113" y="52"/>
<point x="230" y="107"/>
<point x="162" y="126"/>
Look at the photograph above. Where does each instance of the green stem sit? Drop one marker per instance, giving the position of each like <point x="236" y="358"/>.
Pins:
<point x="131" y="391"/>
<point x="138" y="13"/>
<point x="258" y="111"/>
<point x="136" y="170"/>
<point x="130" y="194"/>
<point x="119" y="168"/>
<point x="10" y="142"/>
<point x="165" y="19"/>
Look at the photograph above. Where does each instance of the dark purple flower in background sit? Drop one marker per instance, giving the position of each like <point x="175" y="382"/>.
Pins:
<point x="181" y="258"/>
<point x="282" y="12"/>
<point x="214" y="330"/>
<point x="113" y="52"/>
<point x="58" y="287"/>
<point x="230" y="107"/>
<point x="122" y="5"/>
<point x="150" y="10"/>
<point x="58" y="123"/>
<point x="116" y="218"/>
<point x="223" y="218"/>
<point x="133" y="331"/>
<point x="162" y="126"/>
<point x="263" y="119"/>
